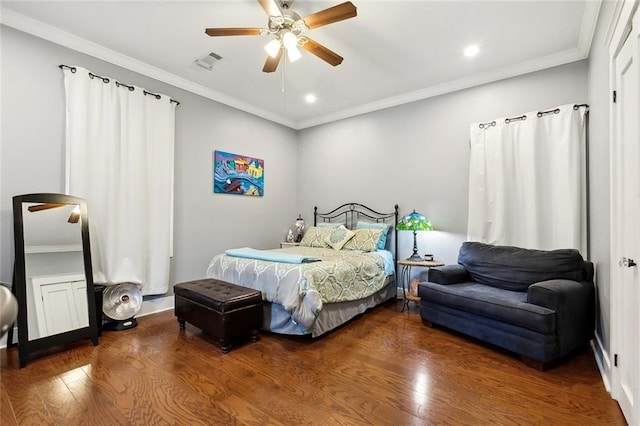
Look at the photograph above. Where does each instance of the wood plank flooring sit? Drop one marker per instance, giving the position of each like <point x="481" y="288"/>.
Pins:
<point x="383" y="368"/>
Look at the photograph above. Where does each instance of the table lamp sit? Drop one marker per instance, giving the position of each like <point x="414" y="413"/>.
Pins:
<point x="299" y="225"/>
<point x="414" y="222"/>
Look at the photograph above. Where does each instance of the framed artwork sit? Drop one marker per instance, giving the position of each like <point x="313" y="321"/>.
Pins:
<point x="237" y="174"/>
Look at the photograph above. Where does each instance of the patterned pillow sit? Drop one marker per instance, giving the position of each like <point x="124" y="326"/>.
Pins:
<point x="314" y="237"/>
<point x="364" y="240"/>
<point x="386" y="227"/>
<point x="339" y="237"/>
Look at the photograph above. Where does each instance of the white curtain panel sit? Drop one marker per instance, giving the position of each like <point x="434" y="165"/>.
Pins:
<point x="120" y="154"/>
<point x="527" y="181"/>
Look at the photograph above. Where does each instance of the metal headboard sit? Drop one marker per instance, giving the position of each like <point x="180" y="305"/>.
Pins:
<point x="351" y="213"/>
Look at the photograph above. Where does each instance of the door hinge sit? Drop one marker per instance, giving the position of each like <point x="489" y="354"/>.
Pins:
<point x="615" y="96"/>
<point x="615" y="360"/>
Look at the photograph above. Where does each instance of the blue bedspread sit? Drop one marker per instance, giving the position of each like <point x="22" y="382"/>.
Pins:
<point x="270" y="255"/>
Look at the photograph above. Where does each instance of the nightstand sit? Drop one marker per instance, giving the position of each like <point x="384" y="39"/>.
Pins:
<point x="286" y="244"/>
<point x="405" y="277"/>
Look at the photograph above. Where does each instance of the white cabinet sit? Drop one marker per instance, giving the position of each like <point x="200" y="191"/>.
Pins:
<point x="60" y="303"/>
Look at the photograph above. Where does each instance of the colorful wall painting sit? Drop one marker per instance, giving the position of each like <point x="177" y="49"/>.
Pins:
<point x="237" y="174"/>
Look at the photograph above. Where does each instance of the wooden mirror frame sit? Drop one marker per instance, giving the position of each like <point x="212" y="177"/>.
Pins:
<point x="26" y="346"/>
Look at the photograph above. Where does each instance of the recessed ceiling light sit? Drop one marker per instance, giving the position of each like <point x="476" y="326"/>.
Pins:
<point x="310" y="98"/>
<point x="471" y="51"/>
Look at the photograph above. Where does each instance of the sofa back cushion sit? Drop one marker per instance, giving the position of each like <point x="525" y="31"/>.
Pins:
<point x="514" y="268"/>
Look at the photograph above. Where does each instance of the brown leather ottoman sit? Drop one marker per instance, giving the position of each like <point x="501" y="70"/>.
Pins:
<point x="221" y="309"/>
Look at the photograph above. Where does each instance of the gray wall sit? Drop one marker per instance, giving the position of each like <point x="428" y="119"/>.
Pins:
<point x="32" y="156"/>
<point x="599" y="101"/>
<point x="417" y="155"/>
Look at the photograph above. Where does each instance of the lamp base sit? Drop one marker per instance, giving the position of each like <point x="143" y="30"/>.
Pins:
<point x="415" y="257"/>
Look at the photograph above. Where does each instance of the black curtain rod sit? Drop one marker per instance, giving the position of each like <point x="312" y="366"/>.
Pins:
<point x="523" y="117"/>
<point x="118" y="84"/>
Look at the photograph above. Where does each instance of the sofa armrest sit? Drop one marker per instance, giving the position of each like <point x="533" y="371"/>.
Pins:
<point x="574" y="304"/>
<point x="449" y="274"/>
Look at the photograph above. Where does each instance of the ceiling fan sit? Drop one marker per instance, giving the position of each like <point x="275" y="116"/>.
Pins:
<point x="74" y="217"/>
<point x="287" y="26"/>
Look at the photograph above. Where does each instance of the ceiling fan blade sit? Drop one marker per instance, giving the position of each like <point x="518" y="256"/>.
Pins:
<point x="271" y="7"/>
<point x="322" y="52"/>
<point x="215" y="32"/>
<point x="47" y="206"/>
<point x="272" y="63"/>
<point x="333" y="14"/>
<point x="74" y="217"/>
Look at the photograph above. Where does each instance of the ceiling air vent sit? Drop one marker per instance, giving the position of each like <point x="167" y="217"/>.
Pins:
<point x="207" y="62"/>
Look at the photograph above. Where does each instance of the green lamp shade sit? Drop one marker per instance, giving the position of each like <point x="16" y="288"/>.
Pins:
<point x="414" y="222"/>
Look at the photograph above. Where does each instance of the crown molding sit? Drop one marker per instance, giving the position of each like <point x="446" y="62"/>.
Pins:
<point x="613" y="22"/>
<point x="63" y="38"/>
<point x="588" y="26"/>
<point x="556" y="59"/>
<point x="71" y="41"/>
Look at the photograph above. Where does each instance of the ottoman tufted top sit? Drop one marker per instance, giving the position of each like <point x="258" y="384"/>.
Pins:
<point x="219" y="295"/>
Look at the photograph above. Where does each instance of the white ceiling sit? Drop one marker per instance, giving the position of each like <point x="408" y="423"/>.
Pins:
<point x="395" y="51"/>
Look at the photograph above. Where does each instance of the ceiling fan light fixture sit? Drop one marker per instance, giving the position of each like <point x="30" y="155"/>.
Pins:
<point x="293" y="53"/>
<point x="273" y="47"/>
<point x="289" y="40"/>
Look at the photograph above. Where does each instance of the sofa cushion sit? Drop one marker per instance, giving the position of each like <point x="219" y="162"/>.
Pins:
<point x="448" y="274"/>
<point x="503" y="305"/>
<point x="514" y="268"/>
<point x="538" y="346"/>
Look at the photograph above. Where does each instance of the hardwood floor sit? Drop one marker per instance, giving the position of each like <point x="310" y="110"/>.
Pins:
<point x="382" y="368"/>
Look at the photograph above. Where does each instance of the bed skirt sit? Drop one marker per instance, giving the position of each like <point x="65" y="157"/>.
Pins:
<point x="332" y="315"/>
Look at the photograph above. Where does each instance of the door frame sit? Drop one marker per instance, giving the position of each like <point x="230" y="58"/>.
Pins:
<point x="621" y="25"/>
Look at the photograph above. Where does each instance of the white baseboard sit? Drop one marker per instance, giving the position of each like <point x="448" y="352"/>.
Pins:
<point x="602" y="361"/>
<point x="156" y="305"/>
<point x="148" y="307"/>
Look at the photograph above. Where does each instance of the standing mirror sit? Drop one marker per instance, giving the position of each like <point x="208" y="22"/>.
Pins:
<point x="53" y="275"/>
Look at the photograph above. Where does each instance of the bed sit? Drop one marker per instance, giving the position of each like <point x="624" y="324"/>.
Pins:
<point x="345" y="264"/>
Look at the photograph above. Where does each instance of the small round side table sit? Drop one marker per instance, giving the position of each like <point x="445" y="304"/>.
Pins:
<point x="405" y="276"/>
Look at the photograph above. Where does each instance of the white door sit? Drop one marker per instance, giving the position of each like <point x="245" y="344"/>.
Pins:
<point x="626" y="226"/>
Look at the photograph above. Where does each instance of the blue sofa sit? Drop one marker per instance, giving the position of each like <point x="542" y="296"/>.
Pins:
<point x="539" y="304"/>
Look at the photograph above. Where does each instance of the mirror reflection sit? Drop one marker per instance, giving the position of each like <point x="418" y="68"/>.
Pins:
<point x="56" y="287"/>
<point x="53" y="280"/>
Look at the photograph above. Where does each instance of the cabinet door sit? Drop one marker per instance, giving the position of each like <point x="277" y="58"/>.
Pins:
<point x="59" y="308"/>
<point x="80" y="297"/>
